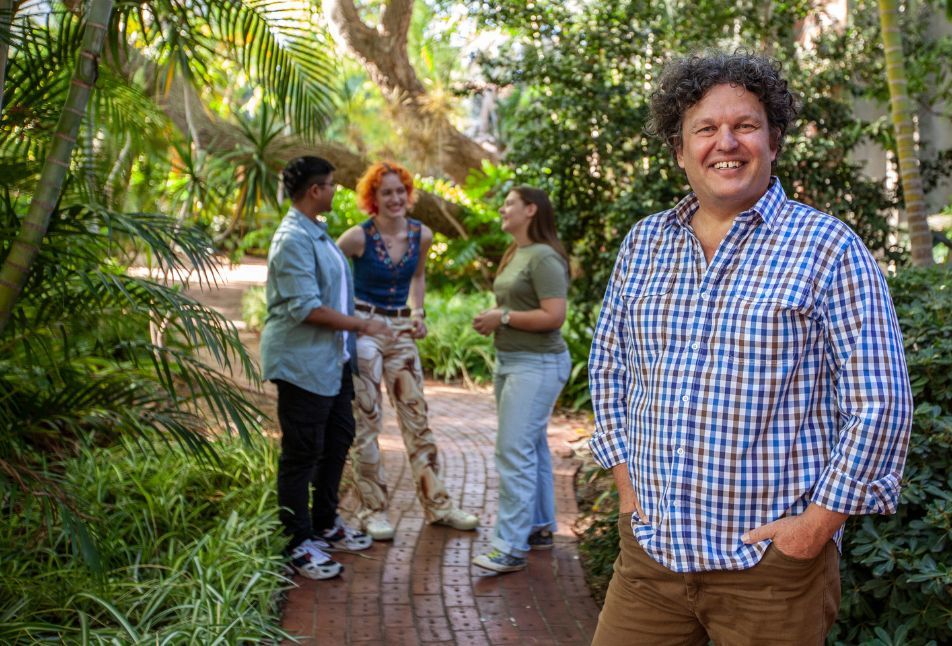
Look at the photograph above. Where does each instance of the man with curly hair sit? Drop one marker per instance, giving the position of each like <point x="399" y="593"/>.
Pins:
<point x="748" y="380"/>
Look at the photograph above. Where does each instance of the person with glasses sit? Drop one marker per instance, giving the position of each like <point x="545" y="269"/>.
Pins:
<point x="389" y="254"/>
<point x="308" y="351"/>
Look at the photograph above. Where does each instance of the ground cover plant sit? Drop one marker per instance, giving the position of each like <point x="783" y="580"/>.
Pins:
<point x="183" y="551"/>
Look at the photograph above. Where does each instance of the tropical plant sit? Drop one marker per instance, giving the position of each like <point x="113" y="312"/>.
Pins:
<point x="453" y="349"/>
<point x="897" y="570"/>
<point x="191" y="553"/>
<point x="18" y="259"/>
<point x="93" y="352"/>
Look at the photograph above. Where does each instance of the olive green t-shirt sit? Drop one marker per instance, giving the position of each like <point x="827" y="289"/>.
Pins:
<point x="535" y="272"/>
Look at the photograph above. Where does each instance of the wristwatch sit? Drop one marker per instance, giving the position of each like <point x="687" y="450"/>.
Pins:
<point x="505" y="316"/>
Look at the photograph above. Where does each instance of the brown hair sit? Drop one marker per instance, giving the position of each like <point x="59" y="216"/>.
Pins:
<point x="370" y="181"/>
<point x="541" y="226"/>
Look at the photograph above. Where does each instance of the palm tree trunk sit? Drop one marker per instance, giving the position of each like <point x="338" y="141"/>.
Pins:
<point x="920" y="237"/>
<point x="17" y="264"/>
<point x="6" y="19"/>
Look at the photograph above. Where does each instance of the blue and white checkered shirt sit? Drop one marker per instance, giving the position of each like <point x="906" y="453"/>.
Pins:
<point x="741" y="391"/>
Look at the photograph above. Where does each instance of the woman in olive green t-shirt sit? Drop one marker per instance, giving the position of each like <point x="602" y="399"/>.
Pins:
<point x="532" y="366"/>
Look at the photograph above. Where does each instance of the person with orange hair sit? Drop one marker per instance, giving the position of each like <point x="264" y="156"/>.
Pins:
<point x="389" y="254"/>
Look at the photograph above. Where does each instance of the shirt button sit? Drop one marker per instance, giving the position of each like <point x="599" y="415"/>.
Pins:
<point x="695" y="346"/>
<point x="684" y="398"/>
<point x="680" y="451"/>
<point x="704" y="296"/>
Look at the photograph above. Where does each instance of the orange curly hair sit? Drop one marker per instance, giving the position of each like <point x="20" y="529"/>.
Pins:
<point x="370" y="181"/>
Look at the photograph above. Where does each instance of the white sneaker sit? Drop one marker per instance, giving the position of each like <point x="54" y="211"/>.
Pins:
<point x="343" y="537"/>
<point x="378" y="527"/>
<point x="459" y="519"/>
<point x="311" y="561"/>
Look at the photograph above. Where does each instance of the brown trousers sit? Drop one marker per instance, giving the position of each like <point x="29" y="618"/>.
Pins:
<point x="781" y="600"/>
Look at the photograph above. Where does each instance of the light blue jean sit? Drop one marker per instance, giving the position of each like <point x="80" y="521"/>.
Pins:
<point x="527" y="385"/>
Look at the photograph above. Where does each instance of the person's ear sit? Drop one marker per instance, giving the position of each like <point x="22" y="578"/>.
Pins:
<point x="531" y="210"/>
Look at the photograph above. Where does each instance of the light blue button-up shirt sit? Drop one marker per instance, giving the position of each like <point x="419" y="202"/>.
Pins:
<point x="743" y="390"/>
<point x="305" y="271"/>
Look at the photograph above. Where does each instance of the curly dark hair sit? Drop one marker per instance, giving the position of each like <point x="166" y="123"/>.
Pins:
<point x="302" y="172"/>
<point x="685" y="81"/>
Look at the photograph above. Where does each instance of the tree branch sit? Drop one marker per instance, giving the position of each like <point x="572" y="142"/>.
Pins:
<point x="383" y="52"/>
<point x="218" y="137"/>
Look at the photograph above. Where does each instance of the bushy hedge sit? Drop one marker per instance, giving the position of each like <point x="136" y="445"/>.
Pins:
<point x="170" y="551"/>
<point x="897" y="570"/>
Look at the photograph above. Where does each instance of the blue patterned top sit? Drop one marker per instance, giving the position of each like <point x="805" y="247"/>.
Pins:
<point x="741" y="391"/>
<point x="377" y="279"/>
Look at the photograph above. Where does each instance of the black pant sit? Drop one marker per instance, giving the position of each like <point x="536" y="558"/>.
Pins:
<point x="316" y="433"/>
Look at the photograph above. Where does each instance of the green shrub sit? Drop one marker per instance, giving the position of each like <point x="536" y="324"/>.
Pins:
<point x="254" y="308"/>
<point x="577" y="332"/>
<point x="182" y="551"/>
<point x="452" y="349"/>
<point x="897" y="570"/>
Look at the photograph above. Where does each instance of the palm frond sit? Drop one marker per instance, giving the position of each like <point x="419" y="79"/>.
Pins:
<point x="276" y="42"/>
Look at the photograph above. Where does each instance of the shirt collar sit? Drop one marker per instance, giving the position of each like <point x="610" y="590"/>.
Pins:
<point x="770" y="207"/>
<point x="320" y="222"/>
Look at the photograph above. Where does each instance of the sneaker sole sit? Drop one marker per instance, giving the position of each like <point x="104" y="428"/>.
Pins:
<point x="542" y="547"/>
<point x="321" y="574"/>
<point x="502" y="569"/>
<point x="462" y="528"/>
<point x="327" y="546"/>
<point x="344" y="548"/>
<point x="380" y="536"/>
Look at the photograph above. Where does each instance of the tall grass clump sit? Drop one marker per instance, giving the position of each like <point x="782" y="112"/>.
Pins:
<point x="178" y="551"/>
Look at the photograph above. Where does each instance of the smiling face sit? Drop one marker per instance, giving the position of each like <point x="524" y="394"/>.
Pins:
<point x="391" y="197"/>
<point x="516" y="215"/>
<point x="726" y="150"/>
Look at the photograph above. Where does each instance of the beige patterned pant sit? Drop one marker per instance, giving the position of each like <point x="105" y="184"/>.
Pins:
<point x="398" y="362"/>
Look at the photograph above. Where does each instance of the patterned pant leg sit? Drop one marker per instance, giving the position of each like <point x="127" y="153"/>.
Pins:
<point x="365" y="458"/>
<point x="404" y="376"/>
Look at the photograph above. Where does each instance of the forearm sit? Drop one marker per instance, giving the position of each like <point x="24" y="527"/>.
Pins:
<point x="417" y="292"/>
<point x="626" y="492"/>
<point x="823" y="521"/>
<point x="324" y="316"/>
<point x="537" y="320"/>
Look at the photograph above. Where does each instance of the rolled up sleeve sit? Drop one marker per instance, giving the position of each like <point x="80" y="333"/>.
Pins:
<point x="608" y="372"/>
<point x="295" y="269"/>
<point x="864" y="352"/>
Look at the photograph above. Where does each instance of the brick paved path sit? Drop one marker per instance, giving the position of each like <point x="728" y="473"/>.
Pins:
<point x="420" y="588"/>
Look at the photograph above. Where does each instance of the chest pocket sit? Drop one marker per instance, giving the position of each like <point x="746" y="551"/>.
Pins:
<point x="648" y="314"/>
<point x="763" y="331"/>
